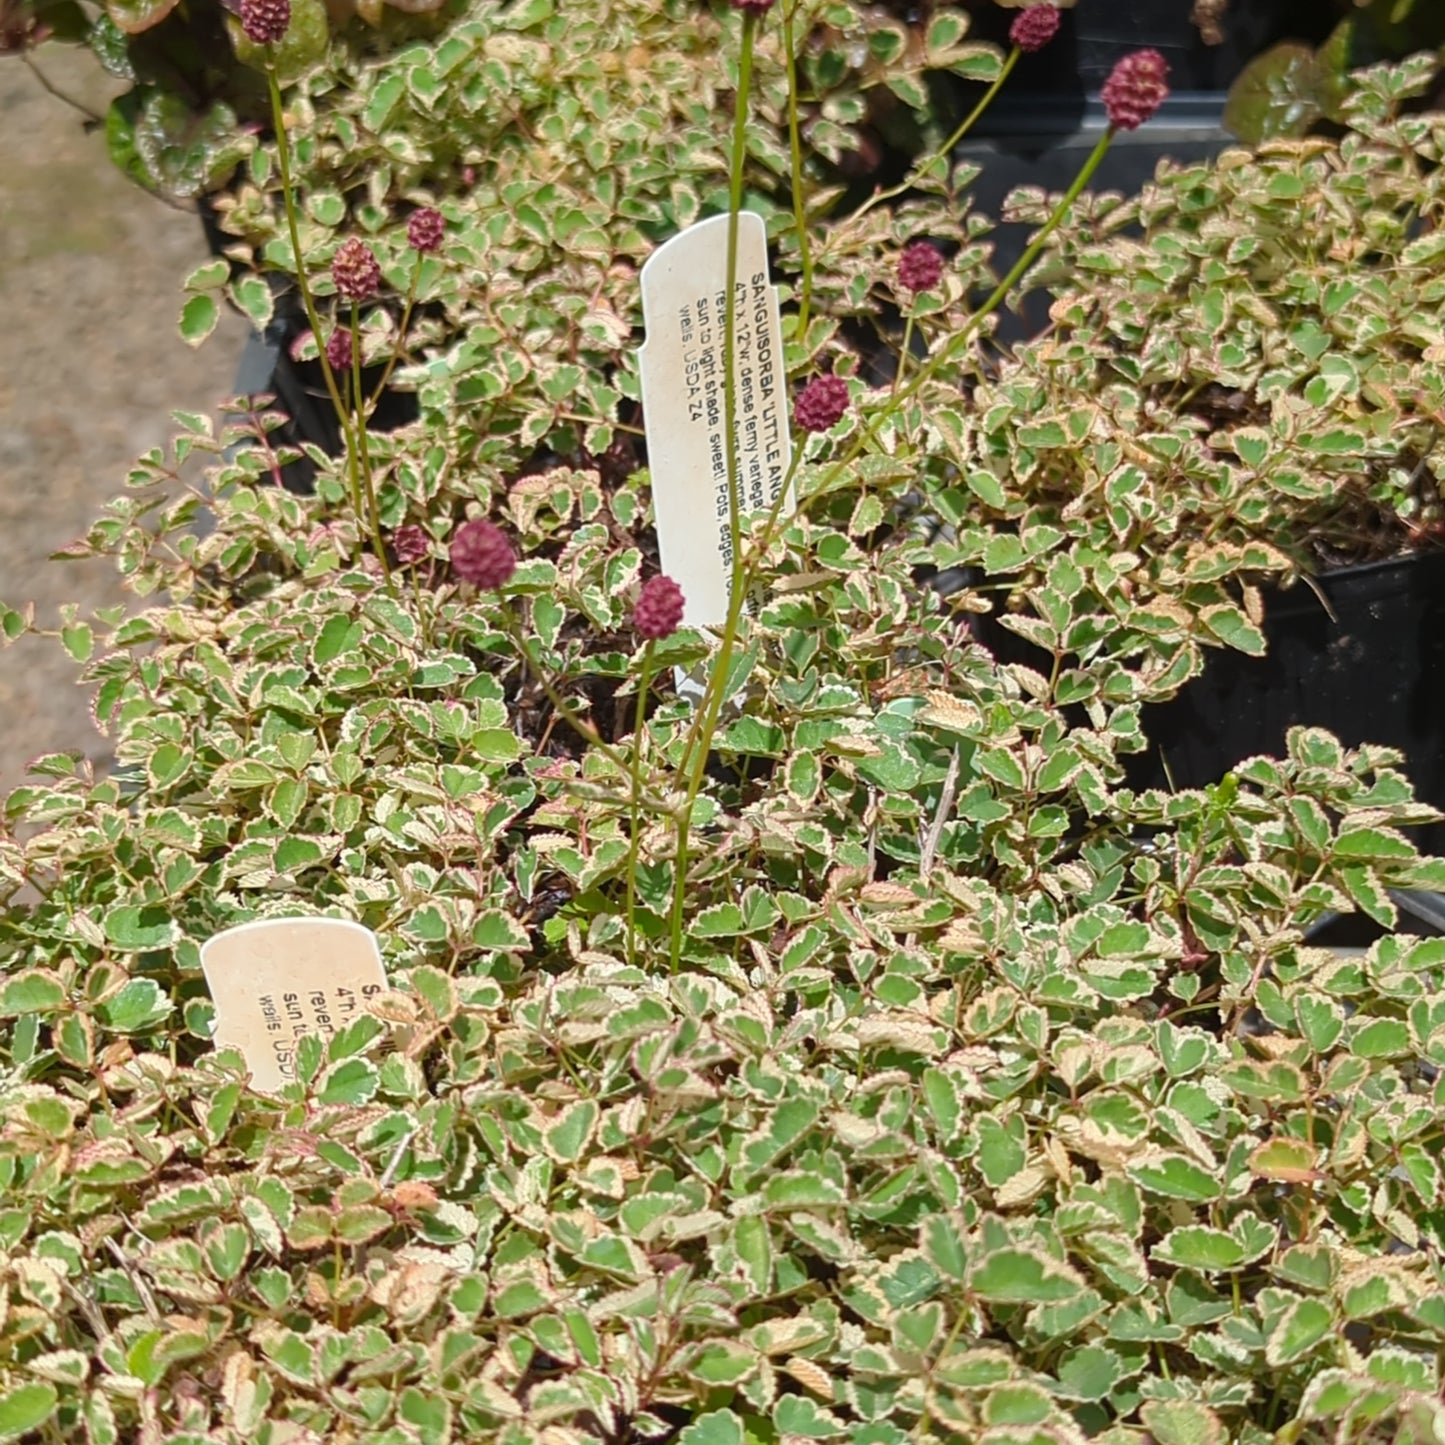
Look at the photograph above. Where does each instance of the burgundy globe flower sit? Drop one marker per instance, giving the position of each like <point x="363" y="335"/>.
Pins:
<point x="264" y="21"/>
<point x="753" y="7"/>
<point x="425" y="229"/>
<point x="658" y="613"/>
<point x="821" y="403"/>
<point x="1136" y="89"/>
<point x="341" y="348"/>
<point x="482" y="555"/>
<point x="920" y="266"/>
<point x="1034" y="27"/>
<point x="355" y="270"/>
<point x="410" y="543"/>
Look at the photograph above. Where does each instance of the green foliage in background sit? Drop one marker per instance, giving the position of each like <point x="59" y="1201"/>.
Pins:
<point x="1293" y="88"/>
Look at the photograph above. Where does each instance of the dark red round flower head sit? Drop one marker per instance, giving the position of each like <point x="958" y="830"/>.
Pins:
<point x="753" y="7"/>
<point x="341" y="348"/>
<point x="1136" y="89"/>
<point x="658" y="613"/>
<point x="1034" y="27"/>
<point x="425" y="229"/>
<point x="482" y="555"/>
<point x="920" y="266"/>
<point x="410" y="544"/>
<point x="821" y="404"/>
<point x="264" y="21"/>
<point x="355" y="270"/>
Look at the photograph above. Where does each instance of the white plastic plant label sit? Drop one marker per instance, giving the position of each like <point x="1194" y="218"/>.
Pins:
<point x="277" y="980"/>
<point x="684" y="301"/>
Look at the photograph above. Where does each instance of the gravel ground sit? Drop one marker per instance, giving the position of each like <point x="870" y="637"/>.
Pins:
<point x="90" y="369"/>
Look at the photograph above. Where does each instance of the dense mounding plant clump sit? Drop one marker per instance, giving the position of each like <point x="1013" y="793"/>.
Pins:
<point x="832" y="1048"/>
<point x="947" y="1120"/>
<point x="1243" y="380"/>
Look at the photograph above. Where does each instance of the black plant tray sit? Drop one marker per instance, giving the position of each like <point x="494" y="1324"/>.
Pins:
<point x="1374" y="672"/>
<point x="1370" y="668"/>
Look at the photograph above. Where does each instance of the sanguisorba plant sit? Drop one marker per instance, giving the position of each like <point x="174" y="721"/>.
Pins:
<point x="1133" y="92"/>
<point x="980" y="1097"/>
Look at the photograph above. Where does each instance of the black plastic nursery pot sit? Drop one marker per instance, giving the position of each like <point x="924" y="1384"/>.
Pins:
<point x="1370" y="668"/>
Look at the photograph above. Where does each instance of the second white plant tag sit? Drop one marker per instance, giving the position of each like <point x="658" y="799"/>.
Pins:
<point x="684" y="301"/>
<point x="280" y="979"/>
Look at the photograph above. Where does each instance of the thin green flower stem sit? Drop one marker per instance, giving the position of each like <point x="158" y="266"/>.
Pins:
<point x="903" y="356"/>
<point x="920" y="1430"/>
<point x="400" y="337"/>
<point x="730" y="305"/>
<point x="735" y="609"/>
<point x="961" y="338"/>
<point x="644" y="682"/>
<point x="1011" y="60"/>
<point x="718" y="681"/>
<point x="353" y="427"/>
<point x="584" y="730"/>
<point x="621" y="426"/>
<point x="288" y="198"/>
<point x="418" y="592"/>
<point x="795" y="143"/>
<point x="946" y="149"/>
<point x="699" y="738"/>
<point x="373" y="511"/>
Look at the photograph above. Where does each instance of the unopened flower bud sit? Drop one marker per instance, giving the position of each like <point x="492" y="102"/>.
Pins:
<point x="355" y="270"/>
<point x="1034" y="27"/>
<point x="482" y="555"/>
<point x="658" y="613"/>
<point x="425" y="229"/>
<point x="920" y="266"/>
<point x="821" y="404"/>
<point x="341" y="348"/>
<point x="1136" y="89"/>
<point x="410" y="543"/>
<point x="264" y="21"/>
